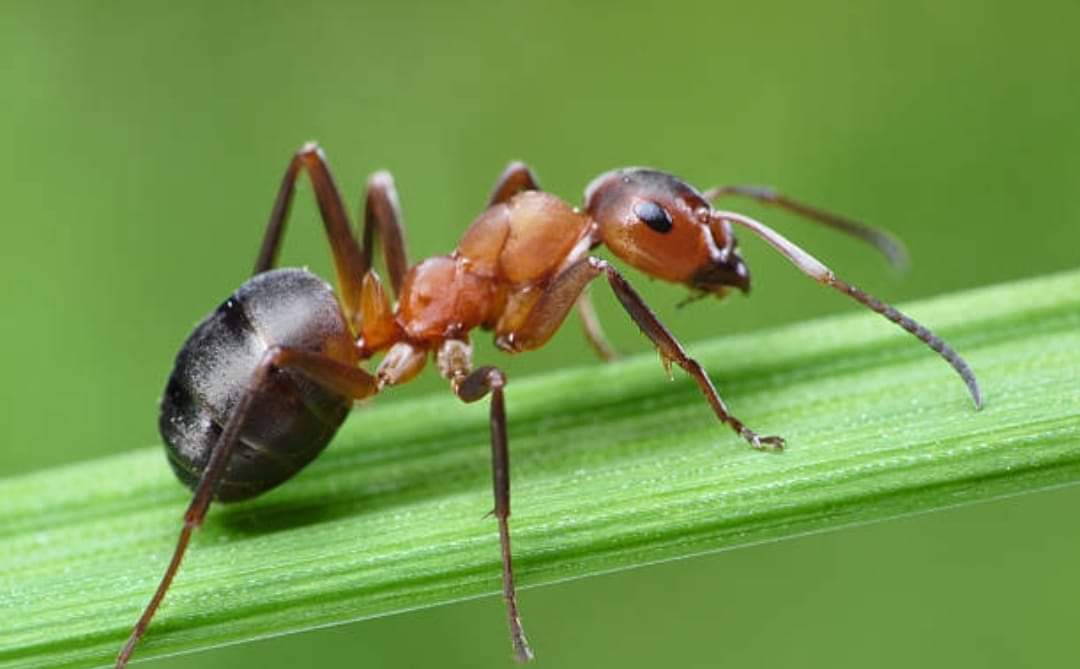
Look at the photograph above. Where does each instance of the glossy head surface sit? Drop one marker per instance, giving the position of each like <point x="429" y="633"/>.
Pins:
<point x="664" y="227"/>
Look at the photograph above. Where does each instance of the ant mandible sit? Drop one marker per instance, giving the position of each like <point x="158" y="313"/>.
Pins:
<point x="264" y="382"/>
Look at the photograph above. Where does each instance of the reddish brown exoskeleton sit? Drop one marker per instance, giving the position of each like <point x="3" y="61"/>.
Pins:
<point x="263" y="383"/>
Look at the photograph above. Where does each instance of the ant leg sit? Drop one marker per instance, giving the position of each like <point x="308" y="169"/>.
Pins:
<point x="455" y="362"/>
<point x="891" y="247"/>
<point x="349" y="261"/>
<point x="815" y="269"/>
<point x="594" y="333"/>
<point x="350" y="381"/>
<point x="402" y="362"/>
<point x="518" y="177"/>
<point x="377" y="325"/>
<point x="382" y="213"/>
<point x="552" y="307"/>
<point x="196" y="511"/>
<point x="515" y="178"/>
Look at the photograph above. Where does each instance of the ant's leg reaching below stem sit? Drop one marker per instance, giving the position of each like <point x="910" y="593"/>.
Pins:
<point x="455" y="362"/>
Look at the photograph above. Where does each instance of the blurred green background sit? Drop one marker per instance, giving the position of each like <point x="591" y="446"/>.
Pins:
<point x="144" y="141"/>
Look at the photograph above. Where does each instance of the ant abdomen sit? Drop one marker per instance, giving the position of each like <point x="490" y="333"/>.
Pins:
<point x="293" y="419"/>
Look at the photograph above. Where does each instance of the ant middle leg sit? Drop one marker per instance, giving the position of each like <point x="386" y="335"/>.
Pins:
<point x="550" y="310"/>
<point x="455" y="363"/>
<point x="591" y="328"/>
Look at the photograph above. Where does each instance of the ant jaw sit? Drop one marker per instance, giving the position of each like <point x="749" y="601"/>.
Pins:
<point x="721" y="274"/>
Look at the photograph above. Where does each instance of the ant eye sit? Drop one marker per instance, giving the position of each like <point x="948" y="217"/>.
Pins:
<point x="653" y="215"/>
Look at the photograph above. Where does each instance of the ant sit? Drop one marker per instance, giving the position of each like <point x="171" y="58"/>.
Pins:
<point x="264" y="382"/>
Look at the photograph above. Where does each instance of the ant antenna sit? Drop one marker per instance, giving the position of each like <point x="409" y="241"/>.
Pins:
<point x="891" y="247"/>
<point x="812" y="267"/>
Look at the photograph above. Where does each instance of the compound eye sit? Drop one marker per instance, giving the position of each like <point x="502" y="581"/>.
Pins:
<point x="653" y="215"/>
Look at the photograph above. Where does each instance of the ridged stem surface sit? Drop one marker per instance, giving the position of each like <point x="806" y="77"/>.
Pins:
<point x="613" y="467"/>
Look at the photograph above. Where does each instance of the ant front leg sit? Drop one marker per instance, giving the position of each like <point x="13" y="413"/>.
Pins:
<point x="517" y="177"/>
<point x="349" y="381"/>
<point x="550" y="311"/>
<point x="455" y="363"/>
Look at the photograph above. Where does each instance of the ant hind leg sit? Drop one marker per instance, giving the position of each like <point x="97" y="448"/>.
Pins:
<point x="349" y="262"/>
<point x="382" y="213"/>
<point x="350" y="381"/>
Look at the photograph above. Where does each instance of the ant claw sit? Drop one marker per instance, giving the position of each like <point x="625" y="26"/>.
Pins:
<point x="771" y="444"/>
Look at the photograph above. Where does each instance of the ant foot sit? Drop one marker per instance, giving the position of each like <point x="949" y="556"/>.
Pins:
<point x="769" y="444"/>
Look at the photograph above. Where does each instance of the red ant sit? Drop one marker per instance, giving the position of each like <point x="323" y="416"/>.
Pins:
<point x="264" y="382"/>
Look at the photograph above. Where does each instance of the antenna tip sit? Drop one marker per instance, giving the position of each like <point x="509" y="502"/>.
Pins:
<point x="976" y="395"/>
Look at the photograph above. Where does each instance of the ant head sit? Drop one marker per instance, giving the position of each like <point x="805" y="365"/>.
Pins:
<point x="667" y="229"/>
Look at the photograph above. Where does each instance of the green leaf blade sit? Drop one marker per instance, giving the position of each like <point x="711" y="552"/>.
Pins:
<point x="613" y="467"/>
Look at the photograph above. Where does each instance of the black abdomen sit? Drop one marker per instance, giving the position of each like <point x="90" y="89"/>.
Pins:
<point x="291" y="419"/>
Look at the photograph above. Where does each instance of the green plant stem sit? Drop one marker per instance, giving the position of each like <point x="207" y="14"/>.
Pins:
<point x="613" y="467"/>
